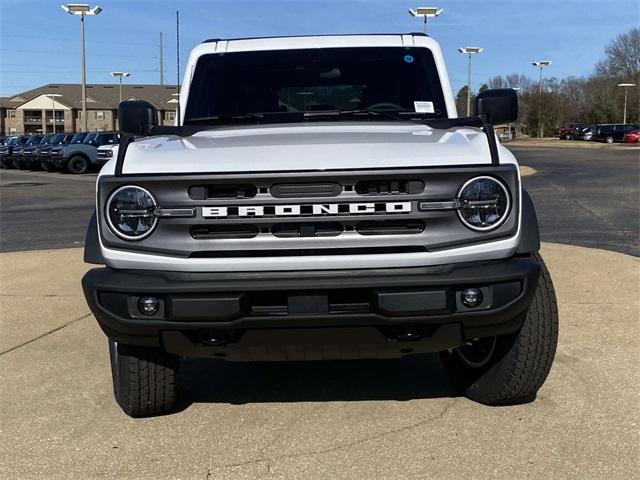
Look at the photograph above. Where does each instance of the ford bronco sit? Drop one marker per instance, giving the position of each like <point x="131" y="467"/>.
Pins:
<point x="319" y="198"/>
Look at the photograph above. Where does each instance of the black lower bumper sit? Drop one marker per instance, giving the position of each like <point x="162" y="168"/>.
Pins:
<point x="357" y="313"/>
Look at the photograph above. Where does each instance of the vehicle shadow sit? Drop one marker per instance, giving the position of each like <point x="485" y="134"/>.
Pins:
<point x="216" y="381"/>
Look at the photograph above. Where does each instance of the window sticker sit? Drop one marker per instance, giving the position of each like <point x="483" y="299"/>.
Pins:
<point x="423" y="107"/>
<point x="408" y="58"/>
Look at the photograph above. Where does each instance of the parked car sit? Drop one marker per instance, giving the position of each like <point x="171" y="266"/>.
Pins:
<point x="632" y="137"/>
<point x="43" y="152"/>
<point x="17" y="157"/>
<point x="569" y="132"/>
<point x="56" y="154"/>
<point x="5" y="151"/>
<point x="27" y="159"/>
<point x="81" y="157"/>
<point x="612" y="132"/>
<point x="106" y="153"/>
<point x="579" y="132"/>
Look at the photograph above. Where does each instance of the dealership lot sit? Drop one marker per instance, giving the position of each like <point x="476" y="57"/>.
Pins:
<point x="373" y="419"/>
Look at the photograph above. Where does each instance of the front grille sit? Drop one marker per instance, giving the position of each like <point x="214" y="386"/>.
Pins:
<point x="314" y="213"/>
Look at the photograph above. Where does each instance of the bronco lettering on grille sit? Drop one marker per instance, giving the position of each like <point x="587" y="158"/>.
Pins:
<point x="320" y="210"/>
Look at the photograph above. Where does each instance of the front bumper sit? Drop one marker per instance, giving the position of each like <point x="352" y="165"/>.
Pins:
<point x="291" y="315"/>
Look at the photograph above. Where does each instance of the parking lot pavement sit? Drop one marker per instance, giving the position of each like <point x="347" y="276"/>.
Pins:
<point x="583" y="197"/>
<point x="339" y="420"/>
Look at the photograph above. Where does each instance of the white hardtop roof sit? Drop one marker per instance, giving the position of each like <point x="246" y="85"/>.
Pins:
<point x="314" y="41"/>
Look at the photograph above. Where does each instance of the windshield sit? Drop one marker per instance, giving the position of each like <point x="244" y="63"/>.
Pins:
<point x="90" y="137"/>
<point x="57" y="138"/>
<point x="315" y="80"/>
<point x="45" y="139"/>
<point x="33" y="140"/>
<point x="78" y="137"/>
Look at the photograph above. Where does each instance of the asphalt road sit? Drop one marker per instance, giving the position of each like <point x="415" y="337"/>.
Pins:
<point x="583" y="197"/>
<point x="586" y="197"/>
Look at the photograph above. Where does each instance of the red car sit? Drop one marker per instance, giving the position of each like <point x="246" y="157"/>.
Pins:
<point x="632" y="137"/>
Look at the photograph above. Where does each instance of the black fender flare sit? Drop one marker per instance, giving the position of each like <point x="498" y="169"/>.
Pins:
<point x="92" y="252"/>
<point x="530" y="232"/>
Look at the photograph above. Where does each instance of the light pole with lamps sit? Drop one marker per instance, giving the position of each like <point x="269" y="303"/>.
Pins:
<point x="469" y="51"/>
<point x="425" y="12"/>
<point x="82" y="9"/>
<point x="53" y="97"/>
<point x="625" y="86"/>
<point x="120" y="76"/>
<point x="540" y="64"/>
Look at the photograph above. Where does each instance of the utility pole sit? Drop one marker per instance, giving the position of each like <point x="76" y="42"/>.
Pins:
<point x="161" y="62"/>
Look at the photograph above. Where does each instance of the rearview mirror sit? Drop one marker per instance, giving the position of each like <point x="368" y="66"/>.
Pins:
<point x="497" y="106"/>
<point x="136" y="117"/>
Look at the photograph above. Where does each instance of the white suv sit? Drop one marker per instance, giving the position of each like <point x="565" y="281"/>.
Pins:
<point x="319" y="198"/>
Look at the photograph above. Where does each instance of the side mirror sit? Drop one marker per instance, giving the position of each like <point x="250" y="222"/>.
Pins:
<point x="136" y="117"/>
<point x="497" y="106"/>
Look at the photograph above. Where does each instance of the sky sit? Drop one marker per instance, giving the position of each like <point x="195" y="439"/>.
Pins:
<point x="39" y="43"/>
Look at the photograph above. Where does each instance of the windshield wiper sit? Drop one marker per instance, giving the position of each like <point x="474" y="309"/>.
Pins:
<point x="226" y="117"/>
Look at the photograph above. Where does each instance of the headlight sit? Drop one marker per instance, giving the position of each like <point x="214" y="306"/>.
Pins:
<point x="130" y="212"/>
<point x="484" y="203"/>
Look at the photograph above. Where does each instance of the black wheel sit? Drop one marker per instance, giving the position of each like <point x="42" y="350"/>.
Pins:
<point x="510" y="369"/>
<point x="77" y="165"/>
<point x="144" y="379"/>
<point x="609" y="140"/>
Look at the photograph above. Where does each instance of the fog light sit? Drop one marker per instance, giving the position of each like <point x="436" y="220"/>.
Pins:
<point x="148" y="305"/>
<point x="471" y="297"/>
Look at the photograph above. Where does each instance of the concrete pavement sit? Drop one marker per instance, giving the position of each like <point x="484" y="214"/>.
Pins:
<point x="374" y="420"/>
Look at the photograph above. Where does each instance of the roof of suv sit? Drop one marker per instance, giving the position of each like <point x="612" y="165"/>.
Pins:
<point x="214" y="40"/>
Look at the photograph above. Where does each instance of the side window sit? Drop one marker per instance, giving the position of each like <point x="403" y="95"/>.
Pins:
<point x="99" y="114"/>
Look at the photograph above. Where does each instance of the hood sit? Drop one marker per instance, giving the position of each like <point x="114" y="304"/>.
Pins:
<point x="316" y="146"/>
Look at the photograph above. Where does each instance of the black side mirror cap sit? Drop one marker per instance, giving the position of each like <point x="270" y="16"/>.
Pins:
<point x="136" y="117"/>
<point x="497" y="106"/>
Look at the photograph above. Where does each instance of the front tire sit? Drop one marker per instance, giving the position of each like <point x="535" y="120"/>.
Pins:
<point x="609" y="140"/>
<point x="510" y="369"/>
<point x="144" y="379"/>
<point x="78" y="165"/>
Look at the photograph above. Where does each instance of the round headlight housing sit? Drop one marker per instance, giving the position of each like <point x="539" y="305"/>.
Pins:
<point x="130" y="212"/>
<point x="484" y="203"/>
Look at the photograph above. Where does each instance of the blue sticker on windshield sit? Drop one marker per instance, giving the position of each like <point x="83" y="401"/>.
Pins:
<point x="408" y="58"/>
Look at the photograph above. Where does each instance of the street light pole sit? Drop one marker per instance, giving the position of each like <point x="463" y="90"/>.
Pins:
<point x="120" y="76"/>
<point x="82" y="9"/>
<point x="425" y="12"/>
<point x="469" y="51"/>
<point x="540" y="64"/>
<point x="84" y="75"/>
<point x="53" y="96"/>
<point x="625" y="86"/>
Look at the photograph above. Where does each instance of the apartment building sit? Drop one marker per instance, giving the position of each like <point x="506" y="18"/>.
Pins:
<point x="58" y="107"/>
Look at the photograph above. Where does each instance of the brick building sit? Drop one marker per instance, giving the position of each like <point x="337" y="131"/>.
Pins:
<point x="58" y="107"/>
